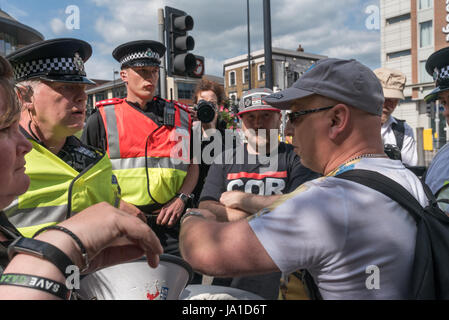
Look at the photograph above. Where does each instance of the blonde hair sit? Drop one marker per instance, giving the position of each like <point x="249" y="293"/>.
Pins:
<point x="13" y="106"/>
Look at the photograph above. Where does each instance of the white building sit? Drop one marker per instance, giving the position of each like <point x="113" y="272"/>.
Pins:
<point x="411" y="30"/>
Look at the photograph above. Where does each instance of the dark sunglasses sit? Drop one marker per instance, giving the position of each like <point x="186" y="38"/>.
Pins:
<point x="292" y="116"/>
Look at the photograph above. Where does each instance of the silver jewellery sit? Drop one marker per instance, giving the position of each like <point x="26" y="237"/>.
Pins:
<point x="367" y="155"/>
<point x="192" y="213"/>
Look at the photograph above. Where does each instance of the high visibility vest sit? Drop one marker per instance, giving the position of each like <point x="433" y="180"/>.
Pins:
<point x="145" y="155"/>
<point x="57" y="191"/>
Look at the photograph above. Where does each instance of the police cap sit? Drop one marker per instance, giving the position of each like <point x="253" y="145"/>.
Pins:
<point x="438" y="66"/>
<point x="139" y="53"/>
<point x="55" y="60"/>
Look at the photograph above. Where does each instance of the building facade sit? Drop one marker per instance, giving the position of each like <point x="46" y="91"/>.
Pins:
<point x="411" y="30"/>
<point x="288" y="66"/>
<point x="15" y="35"/>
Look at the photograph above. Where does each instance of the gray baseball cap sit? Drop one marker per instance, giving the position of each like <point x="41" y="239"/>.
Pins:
<point x="347" y="81"/>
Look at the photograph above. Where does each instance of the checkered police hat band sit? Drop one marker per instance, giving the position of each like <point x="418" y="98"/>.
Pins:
<point x="54" y="66"/>
<point x="151" y="55"/>
<point x="442" y="74"/>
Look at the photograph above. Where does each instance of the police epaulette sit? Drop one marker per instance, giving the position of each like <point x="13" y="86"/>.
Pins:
<point x="177" y="103"/>
<point x="108" y="102"/>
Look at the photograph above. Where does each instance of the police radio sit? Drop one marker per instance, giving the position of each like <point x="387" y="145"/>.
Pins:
<point x="169" y="112"/>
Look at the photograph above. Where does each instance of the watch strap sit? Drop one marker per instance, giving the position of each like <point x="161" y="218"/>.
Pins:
<point x="41" y="250"/>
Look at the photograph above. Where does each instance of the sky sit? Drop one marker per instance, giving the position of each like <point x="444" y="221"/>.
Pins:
<point x="336" y="28"/>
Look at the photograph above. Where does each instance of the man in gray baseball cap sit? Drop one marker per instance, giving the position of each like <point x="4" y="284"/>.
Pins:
<point x="337" y="229"/>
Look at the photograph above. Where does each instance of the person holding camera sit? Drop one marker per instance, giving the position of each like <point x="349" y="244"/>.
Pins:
<point x="207" y="97"/>
<point x="397" y="135"/>
<point x="148" y="140"/>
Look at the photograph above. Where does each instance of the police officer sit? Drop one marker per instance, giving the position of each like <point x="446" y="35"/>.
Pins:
<point x="65" y="174"/>
<point x="148" y="141"/>
<point x="437" y="176"/>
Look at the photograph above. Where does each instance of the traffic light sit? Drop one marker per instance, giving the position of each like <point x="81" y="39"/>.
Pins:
<point x="198" y="71"/>
<point x="179" y="61"/>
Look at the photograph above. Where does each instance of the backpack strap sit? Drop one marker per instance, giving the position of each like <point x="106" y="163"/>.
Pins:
<point x="399" y="132"/>
<point x="388" y="187"/>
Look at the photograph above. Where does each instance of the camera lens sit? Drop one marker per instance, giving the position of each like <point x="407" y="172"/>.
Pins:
<point x="205" y="111"/>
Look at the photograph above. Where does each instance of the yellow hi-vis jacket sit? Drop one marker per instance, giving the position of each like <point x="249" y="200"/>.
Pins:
<point x="57" y="191"/>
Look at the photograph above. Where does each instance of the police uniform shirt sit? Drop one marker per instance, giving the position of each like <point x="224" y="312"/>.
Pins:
<point x="408" y="152"/>
<point x="94" y="133"/>
<point x="74" y="152"/>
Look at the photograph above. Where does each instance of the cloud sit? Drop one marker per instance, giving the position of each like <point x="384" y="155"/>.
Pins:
<point x="332" y="28"/>
<point x="57" y="26"/>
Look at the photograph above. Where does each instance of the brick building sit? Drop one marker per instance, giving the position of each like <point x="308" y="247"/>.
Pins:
<point x="288" y="66"/>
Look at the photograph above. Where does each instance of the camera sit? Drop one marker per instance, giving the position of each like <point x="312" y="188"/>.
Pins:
<point x="205" y="111"/>
<point x="392" y="152"/>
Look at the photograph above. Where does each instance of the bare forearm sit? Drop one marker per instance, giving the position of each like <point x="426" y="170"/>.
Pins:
<point x="223" y="214"/>
<point x="191" y="179"/>
<point x="254" y="203"/>
<point x="30" y="265"/>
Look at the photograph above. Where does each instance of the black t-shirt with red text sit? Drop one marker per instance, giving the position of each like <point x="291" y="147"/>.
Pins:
<point x="256" y="175"/>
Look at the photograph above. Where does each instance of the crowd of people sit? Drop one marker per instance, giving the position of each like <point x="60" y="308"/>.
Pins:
<point x="256" y="212"/>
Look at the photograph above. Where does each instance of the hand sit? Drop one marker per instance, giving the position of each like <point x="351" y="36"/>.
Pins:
<point x="133" y="210"/>
<point x="193" y="114"/>
<point x="233" y="199"/>
<point x="110" y="236"/>
<point x="171" y="213"/>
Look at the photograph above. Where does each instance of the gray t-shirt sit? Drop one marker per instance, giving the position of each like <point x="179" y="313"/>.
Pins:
<point x="356" y="242"/>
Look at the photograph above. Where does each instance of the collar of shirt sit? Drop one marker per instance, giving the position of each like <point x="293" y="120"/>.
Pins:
<point x="389" y="122"/>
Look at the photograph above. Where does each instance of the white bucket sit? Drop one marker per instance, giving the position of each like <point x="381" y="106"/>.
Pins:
<point x="202" y="292"/>
<point x="138" y="281"/>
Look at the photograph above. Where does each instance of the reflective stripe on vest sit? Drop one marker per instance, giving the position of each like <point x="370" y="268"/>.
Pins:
<point x="58" y="191"/>
<point x="127" y="131"/>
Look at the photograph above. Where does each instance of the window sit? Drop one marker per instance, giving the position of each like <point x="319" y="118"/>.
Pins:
<point x="425" y="33"/>
<point x="425" y="4"/>
<point x="232" y="78"/>
<point x="100" y="96"/>
<point x="185" y="90"/>
<point x="398" y="54"/>
<point x="423" y="75"/>
<point x="397" y="19"/>
<point x="245" y="76"/>
<point x="261" y="72"/>
<point x="233" y="97"/>
<point x="119" y="92"/>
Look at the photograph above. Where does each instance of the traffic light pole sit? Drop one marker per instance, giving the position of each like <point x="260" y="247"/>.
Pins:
<point x="163" y="72"/>
<point x="249" y="47"/>
<point x="268" y="47"/>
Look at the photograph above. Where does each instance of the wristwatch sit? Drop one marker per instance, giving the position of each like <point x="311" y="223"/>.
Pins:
<point x="185" y="197"/>
<point x="41" y="250"/>
<point x="192" y="213"/>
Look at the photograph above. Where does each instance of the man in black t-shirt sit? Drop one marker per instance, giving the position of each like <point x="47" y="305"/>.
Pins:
<point x="248" y="180"/>
<point x="252" y="176"/>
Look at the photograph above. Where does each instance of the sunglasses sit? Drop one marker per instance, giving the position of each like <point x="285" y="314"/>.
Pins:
<point x="292" y="116"/>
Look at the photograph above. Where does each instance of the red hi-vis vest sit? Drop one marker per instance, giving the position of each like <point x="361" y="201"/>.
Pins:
<point x="130" y="134"/>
